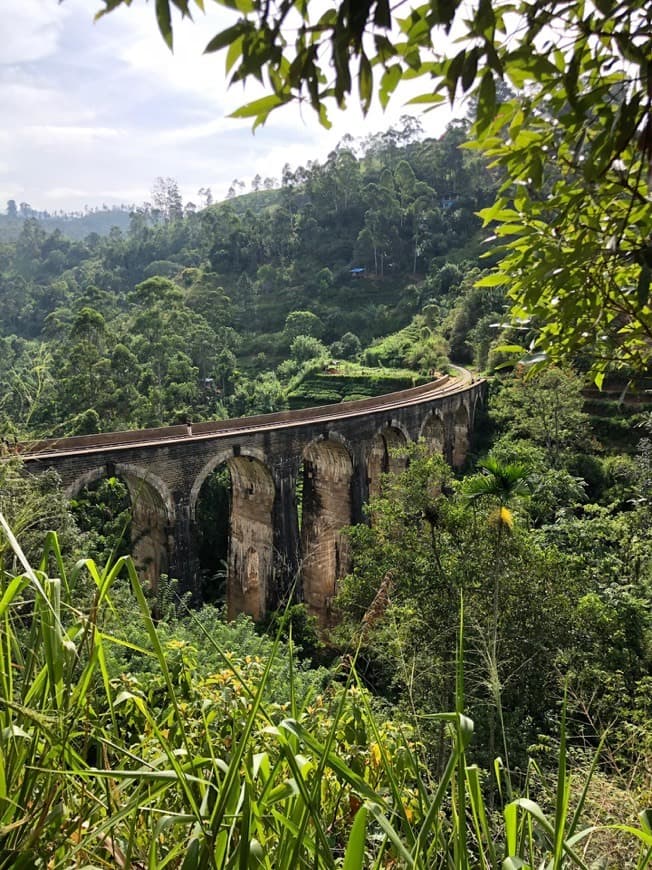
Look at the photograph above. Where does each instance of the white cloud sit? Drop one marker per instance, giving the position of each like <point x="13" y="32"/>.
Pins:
<point x="94" y="111"/>
<point x="75" y="136"/>
<point x="31" y="30"/>
<point x="28" y="99"/>
<point x="126" y="195"/>
<point x="59" y="193"/>
<point x="187" y="69"/>
<point x="193" y="133"/>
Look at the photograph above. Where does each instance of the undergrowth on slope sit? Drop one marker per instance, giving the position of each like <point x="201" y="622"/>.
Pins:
<point x="192" y="768"/>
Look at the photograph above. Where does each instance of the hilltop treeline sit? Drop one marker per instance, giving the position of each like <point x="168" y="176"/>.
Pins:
<point x="196" y="312"/>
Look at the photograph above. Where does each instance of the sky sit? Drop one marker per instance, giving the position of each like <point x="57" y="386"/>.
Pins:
<point x="93" y="111"/>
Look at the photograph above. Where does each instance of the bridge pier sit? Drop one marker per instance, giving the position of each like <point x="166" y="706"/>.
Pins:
<point x="251" y="539"/>
<point x="384" y="457"/>
<point x="359" y="485"/>
<point x="328" y="475"/>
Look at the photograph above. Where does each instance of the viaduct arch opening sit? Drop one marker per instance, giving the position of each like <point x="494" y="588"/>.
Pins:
<point x="233" y="500"/>
<point x="132" y="508"/>
<point x="326" y="510"/>
<point x="211" y="523"/>
<point x="433" y="433"/>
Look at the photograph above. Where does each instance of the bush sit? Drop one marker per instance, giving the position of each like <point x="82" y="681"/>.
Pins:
<point x="306" y="347"/>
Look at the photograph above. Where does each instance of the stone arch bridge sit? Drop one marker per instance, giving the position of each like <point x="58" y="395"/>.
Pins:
<point x="340" y="451"/>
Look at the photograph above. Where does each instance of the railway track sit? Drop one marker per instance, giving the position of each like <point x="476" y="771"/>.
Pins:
<point x="143" y="438"/>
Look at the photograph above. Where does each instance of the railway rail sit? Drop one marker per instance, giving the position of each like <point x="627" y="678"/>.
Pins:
<point x="184" y="433"/>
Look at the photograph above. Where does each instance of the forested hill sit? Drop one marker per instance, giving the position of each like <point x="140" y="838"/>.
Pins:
<point x="224" y="310"/>
<point x="74" y="225"/>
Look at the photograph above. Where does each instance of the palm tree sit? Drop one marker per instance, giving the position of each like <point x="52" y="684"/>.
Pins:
<point x="499" y="484"/>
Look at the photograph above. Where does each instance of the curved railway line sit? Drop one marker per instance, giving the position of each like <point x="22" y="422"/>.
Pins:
<point x="142" y="438"/>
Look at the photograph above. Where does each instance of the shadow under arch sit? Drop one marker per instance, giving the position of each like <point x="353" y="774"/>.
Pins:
<point x="152" y="516"/>
<point x="461" y="436"/>
<point x="385" y="457"/>
<point x="250" y="548"/>
<point x="478" y="407"/>
<point x="326" y="510"/>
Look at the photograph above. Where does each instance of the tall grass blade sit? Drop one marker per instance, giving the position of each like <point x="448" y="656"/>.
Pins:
<point x="588" y="778"/>
<point x="15" y="588"/>
<point x="460" y="841"/>
<point x="15" y="546"/>
<point x="355" y="849"/>
<point x="429" y="831"/>
<point x="408" y="859"/>
<point x="510" y="816"/>
<point x="482" y="831"/>
<point x="563" y="794"/>
<point x="52" y="550"/>
<point x="389" y="770"/>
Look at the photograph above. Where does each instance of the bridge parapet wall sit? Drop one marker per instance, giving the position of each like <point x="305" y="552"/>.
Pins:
<point x="217" y="427"/>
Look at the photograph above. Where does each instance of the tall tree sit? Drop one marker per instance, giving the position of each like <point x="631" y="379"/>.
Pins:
<point x="167" y="199"/>
<point x="546" y="408"/>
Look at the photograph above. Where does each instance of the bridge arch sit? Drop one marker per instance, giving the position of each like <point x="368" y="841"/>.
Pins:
<point x="382" y="457"/>
<point x="250" y="529"/>
<point x="326" y="511"/>
<point x="220" y="457"/>
<point x="433" y="432"/>
<point x="152" y="515"/>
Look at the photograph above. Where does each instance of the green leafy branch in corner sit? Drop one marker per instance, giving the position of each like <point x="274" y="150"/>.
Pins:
<point x="575" y="146"/>
<point x="573" y="217"/>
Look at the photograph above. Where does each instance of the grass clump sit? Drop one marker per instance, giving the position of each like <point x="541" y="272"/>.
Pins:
<point x="189" y="766"/>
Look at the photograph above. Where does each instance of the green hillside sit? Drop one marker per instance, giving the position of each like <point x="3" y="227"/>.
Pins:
<point x="373" y="253"/>
<point x="345" y="382"/>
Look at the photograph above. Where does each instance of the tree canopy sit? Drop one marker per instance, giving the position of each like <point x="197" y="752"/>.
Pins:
<point x="575" y="143"/>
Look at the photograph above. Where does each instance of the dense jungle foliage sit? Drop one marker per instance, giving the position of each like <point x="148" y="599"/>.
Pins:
<point x="222" y="311"/>
<point x="486" y="697"/>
